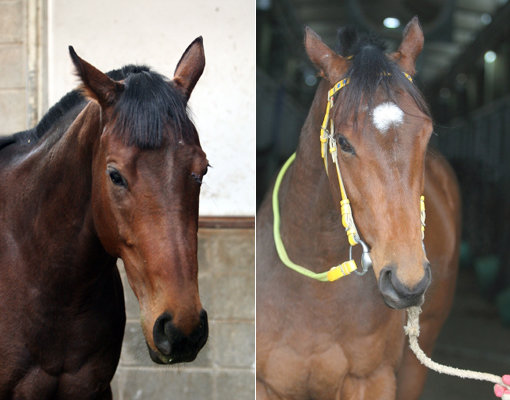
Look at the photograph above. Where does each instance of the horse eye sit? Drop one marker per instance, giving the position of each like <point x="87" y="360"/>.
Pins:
<point x="345" y="145"/>
<point x="207" y="169"/>
<point x="116" y="178"/>
<point x="197" y="178"/>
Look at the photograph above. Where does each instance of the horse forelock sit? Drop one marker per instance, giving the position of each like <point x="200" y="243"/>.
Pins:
<point x="371" y="71"/>
<point x="148" y="108"/>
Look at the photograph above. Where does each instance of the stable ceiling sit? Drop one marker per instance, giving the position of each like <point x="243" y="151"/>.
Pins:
<point x="450" y="26"/>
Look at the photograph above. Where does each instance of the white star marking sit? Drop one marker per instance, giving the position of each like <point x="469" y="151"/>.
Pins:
<point x="386" y="115"/>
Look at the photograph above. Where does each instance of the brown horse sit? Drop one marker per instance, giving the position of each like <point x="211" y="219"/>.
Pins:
<point x="113" y="173"/>
<point x="344" y="339"/>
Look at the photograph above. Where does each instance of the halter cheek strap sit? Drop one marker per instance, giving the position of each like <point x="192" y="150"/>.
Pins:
<point x="327" y="140"/>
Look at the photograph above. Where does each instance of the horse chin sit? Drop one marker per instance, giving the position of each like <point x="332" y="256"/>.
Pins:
<point x="159" y="358"/>
<point x="402" y="303"/>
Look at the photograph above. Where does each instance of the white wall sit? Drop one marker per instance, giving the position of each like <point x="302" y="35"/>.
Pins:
<point x="113" y="33"/>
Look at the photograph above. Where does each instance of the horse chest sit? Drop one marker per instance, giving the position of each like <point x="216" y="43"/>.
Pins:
<point x="332" y="349"/>
<point x="332" y="371"/>
<point x="36" y="383"/>
<point x="60" y="336"/>
<point x="363" y="354"/>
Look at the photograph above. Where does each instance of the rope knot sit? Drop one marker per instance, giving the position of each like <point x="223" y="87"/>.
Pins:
<point x="412" y="329"/>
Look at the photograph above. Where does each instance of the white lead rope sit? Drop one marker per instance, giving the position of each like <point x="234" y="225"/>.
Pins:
<point x="412" y="329"/>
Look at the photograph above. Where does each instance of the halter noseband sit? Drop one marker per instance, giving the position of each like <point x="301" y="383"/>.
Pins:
<point x="328" y="141"/>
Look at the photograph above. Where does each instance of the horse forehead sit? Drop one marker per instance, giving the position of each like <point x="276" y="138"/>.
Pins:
<point x="115" y="143"/>
<point x="386" y="115"/>
<point x="172" y="158"/>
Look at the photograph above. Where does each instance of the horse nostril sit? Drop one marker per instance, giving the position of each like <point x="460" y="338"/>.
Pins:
<point x="203" y="329"/>
<point x="420" y="288"/>
<point x="203" y="325"/>
<point x="160" y="333"/>
<point x="172" y="343"/>
<point x="386" y="285"/>
<point x="426" y="268"/>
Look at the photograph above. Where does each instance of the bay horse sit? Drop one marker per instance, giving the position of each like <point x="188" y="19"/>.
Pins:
<point x="111" y="171"/>
<point x="344" y="339"/>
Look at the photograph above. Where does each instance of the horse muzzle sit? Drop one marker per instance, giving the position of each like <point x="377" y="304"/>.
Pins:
<point x="172" y="345"/>
<point x="396" y="294"/>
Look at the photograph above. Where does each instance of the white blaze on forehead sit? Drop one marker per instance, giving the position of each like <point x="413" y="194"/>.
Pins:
<point x="386" y="115"/>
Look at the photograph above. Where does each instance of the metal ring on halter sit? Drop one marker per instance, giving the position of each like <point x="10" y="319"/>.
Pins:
<point x="366" y="260"/>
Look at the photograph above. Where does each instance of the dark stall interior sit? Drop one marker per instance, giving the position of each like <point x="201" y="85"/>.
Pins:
<point x="464" y="72"/>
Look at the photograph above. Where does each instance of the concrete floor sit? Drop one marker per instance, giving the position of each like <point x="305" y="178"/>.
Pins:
<point x="472" y="338"/>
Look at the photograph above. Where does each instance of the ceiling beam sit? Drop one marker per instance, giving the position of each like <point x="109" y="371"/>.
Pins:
<point x="494" y="33"/>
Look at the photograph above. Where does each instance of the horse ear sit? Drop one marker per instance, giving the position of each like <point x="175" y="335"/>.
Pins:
<point x="410" y="48"/>
<point x="331" y="65"/>
<point x="95" y="84"/>
<point x="190" y="67"/>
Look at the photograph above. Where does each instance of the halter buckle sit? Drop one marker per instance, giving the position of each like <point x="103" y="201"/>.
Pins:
<point x="366" y="260"/>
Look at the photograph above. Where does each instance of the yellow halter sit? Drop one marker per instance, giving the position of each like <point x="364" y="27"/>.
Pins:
<point x="327" y="140"/>
<point x="349" y="266"/>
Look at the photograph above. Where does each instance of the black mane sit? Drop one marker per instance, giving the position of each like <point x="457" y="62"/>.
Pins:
<point x="148" y="103"/>
<point x="370" y="69"/>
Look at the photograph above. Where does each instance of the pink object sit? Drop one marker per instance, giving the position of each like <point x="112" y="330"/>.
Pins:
<point x="499" y="390"/>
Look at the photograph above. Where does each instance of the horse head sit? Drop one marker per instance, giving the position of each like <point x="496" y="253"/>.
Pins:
<point x="381" y="129"/>
<point x="147" y="169"/>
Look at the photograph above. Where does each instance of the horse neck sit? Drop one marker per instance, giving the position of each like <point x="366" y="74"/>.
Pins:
<point x="306" y="203"/>
<point x="55" y="197"/>
<point x="67" y="158"/>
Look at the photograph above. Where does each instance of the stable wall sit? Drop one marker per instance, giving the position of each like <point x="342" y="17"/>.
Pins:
<point x="13" y="74"/>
